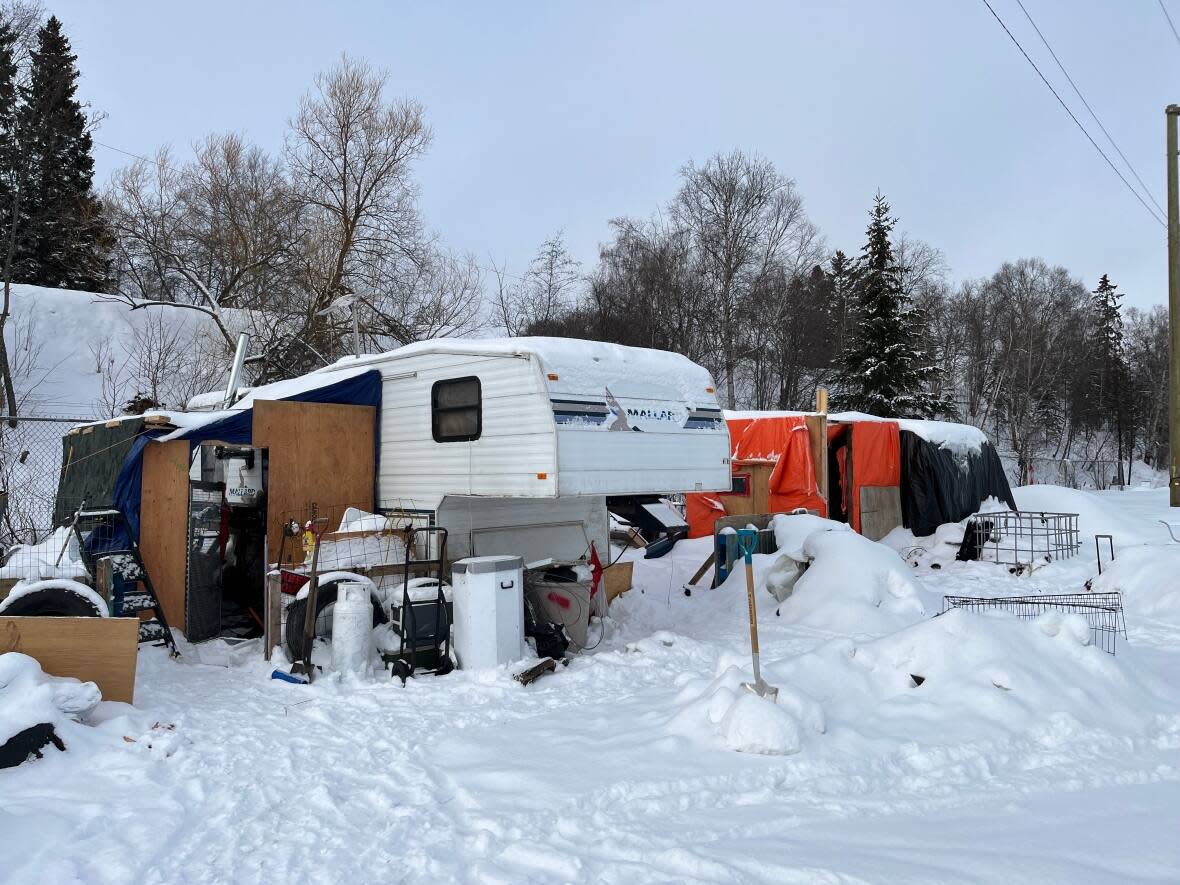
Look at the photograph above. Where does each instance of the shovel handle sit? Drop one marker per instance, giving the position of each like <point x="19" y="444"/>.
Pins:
<point x="753" y="608"/>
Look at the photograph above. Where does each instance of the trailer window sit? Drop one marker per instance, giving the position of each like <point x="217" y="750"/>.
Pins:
<point x="456" y="410"/>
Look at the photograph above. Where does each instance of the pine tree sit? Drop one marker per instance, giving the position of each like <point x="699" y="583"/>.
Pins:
<point x="61" y="236"/>
<point x="842" y="298"/>
<point x="8" y="153"/>
<point x="883" y="369"/>
<point x="1108" y="363"/>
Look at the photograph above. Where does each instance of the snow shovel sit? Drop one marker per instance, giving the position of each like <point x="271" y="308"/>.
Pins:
<point x="748" y="542"/>
<point x="304" y="667"/>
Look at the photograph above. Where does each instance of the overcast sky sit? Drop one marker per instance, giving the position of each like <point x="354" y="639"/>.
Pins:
<point x="565" y="115"/>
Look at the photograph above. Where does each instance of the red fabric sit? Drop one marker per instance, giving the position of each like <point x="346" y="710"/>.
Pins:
<point x="595" y="569"/>
<point x="781" y="439"/>
<point x="876" y="461"/>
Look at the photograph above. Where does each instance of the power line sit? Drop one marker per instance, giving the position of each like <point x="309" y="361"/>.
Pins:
<point x="1164" y="10"/>
<point x="1109" y="138"/>
<point x="1078" y="122"/>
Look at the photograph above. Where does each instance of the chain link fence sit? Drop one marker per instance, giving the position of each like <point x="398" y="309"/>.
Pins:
<point x="30" y="467"/>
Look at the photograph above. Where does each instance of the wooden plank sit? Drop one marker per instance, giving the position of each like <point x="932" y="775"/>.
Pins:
<point x="98" y="650"/>
<point x="163" y="523"/>
<point x="817" y="436"/>
<point x="617" y="579"/>
<point x="320" y="454"/>
<point x="880" y="511"/>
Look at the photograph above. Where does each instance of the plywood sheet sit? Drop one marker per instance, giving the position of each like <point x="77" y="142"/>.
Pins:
<point x="617" y="579"/>
<point x="817" y="436"/>
<point x="880" y="511"/>
<point x="321" y="455"/>
<point x="163" y="523"/>
<point x="98" y="650"/>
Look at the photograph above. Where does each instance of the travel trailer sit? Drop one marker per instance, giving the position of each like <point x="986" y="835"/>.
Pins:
<point x="514" y="446"/>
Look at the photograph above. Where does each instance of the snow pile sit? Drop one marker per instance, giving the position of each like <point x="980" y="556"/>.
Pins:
<point x="1148" y="578"/>
<point x="744" y="722"/>
<point x="965" y="677"/>
<point x="851" y="585"/>
<point x="29" y="697"/>
<point x="42" y="560"/>
<point x="1095" y="516"/>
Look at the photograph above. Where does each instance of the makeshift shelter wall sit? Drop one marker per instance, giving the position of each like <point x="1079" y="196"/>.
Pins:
<point x="91" y="460"/>
<point x="876" y="462"/>
<point x="942" y="486"/>
<point x="320" y="454"/>
<point x="164" y="507"/>
<point x="785" y="442"/>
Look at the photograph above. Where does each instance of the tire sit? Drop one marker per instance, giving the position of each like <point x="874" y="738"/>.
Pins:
<point x="325" y="596"/>
<point x="52" y="602"/>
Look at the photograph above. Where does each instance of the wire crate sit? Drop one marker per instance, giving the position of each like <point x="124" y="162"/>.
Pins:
<point x="1102" y="611"/>
<point x="1021" y="537"/>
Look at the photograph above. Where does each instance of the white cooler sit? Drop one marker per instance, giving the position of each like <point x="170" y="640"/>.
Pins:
<point x="488" y="593"/>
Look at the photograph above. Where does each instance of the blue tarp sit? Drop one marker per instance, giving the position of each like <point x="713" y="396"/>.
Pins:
<point x="358" y="390"/>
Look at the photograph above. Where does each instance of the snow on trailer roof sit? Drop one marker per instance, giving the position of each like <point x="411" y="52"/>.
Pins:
<point x="960" y="438"/>
<point x="579" y="365"/>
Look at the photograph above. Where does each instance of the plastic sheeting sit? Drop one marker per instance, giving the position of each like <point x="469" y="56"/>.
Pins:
<point x="942" y="486"/>
<point x="876" y="462"/>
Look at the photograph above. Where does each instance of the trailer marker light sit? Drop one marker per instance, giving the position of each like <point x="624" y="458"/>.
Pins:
<point x="708" y="390"/>
<point x="542" y="476"/>
<point x="551" y="376"/>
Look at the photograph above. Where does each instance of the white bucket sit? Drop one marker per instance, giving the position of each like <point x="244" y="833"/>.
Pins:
<point x="352" y="628"/>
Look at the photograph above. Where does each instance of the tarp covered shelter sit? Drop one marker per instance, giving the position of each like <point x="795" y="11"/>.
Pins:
<point x="942" y="472"/>
<point x="113" y="453"/>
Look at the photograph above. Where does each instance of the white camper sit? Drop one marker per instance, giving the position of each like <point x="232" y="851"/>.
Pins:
<point x="514" y="445"/>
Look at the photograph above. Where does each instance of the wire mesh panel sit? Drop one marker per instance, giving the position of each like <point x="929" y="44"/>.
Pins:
<point x="1103" y="611"/>
<point x="30" y="469"/>
<point x="1021" y="537"/>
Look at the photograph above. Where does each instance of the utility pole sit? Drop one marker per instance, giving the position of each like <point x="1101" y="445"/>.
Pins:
<point x="1171" y="113"/>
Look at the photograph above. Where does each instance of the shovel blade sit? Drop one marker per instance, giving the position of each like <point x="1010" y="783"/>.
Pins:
<point x="762" y="689"/>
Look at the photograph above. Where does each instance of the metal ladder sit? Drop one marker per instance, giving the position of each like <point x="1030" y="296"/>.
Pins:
<point x="106" y="534"/>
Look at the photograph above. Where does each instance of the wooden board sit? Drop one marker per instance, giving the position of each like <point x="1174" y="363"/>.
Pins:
<point x="98" y="650"/>
<point x="163" y="523"/>
<point x="880" y="511"/>
<point x="617" y="579"/>
<point x="320" y="454"/>
<point x="817" y="437"/>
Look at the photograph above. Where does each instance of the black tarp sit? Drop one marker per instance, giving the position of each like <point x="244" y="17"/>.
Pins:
<point x="939" y="485"/>
<point x="91" y="462"/>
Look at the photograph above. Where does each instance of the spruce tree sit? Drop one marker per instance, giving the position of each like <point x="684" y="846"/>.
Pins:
<point x="1108" y="366"/>
<point x="883" y="368"/>
<point x="61" y="236"/>
<point x="842" y="298"/>
<point x="8" y="151"/>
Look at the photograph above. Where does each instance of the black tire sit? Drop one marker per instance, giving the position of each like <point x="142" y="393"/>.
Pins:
<point x="325" y="596"/>
<point x="52" y="602"/>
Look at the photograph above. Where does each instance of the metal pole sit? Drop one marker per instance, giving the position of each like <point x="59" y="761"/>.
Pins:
<point x="235" y="372"/>
<point x="1173" y="310"/>
<point x="356" y="332"/>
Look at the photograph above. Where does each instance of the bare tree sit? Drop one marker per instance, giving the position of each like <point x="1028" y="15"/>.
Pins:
<point x="745" y="220"/>
<point x="545" y="292"/>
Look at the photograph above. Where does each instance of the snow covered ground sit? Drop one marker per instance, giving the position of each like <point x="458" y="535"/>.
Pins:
<point x="1025" y="755"/>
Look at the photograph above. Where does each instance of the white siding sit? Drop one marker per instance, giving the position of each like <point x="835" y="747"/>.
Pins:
<point x="516" y="443"/>
<point x="591" y="462"/>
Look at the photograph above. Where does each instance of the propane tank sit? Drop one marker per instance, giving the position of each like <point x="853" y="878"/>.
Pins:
<point x="352" y="628"/>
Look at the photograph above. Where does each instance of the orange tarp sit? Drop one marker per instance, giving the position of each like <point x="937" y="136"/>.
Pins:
<point x="778" y="439"/>
<point x="876" y="460"/>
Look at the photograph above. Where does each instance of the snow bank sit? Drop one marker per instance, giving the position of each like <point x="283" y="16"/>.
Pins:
<point x="965" y="677"/>
<point x="1095" y="515"/>
<point x="852" y="585"/>
<point x="1148" y="578"/>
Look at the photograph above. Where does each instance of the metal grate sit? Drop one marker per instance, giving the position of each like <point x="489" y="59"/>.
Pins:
<point x="1102" y="611"/>
<point x="1021" y="538"/>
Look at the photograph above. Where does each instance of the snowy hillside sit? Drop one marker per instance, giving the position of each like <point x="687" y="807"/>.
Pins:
<point x="75" y="354"/>
<point x="903" y="748"/>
